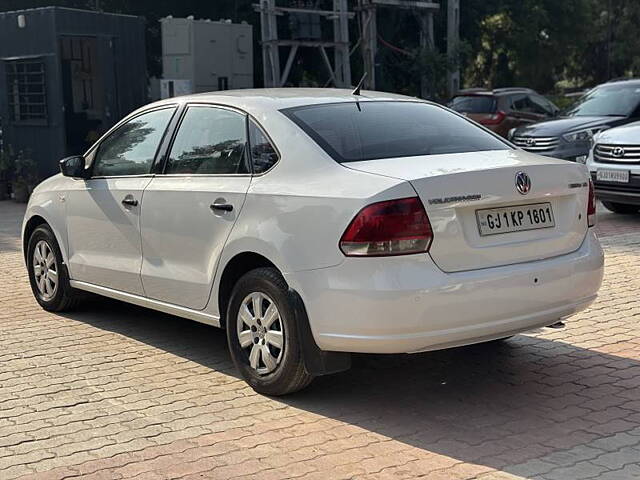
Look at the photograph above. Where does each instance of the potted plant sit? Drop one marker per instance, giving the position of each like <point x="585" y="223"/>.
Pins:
<point x="6" y="172"/>
<point x="25" y="176"/>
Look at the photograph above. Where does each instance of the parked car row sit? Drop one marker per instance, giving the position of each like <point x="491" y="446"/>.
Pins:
<point x="585" y="132"/>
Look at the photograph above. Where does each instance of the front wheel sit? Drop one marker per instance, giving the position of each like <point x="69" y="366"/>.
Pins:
<point x="47" y="273"/>
<point x="623" y="208"/>
<point x="262" y="334"/>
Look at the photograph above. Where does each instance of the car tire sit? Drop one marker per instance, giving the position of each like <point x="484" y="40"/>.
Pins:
<point x="622" y="208"/>
<point x="48" y="274"/>
<point x="262" y="334"/>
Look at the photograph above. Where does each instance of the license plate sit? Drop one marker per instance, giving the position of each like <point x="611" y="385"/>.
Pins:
<point x="619" y="176"/>
<point x="492" y="221"/>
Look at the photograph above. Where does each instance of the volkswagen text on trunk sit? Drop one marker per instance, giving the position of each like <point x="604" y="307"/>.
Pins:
<point x="311" y="223"/>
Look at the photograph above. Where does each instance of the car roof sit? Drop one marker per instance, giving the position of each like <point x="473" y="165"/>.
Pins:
<point x="495" y="92"/>
<point x="261" y="99"/>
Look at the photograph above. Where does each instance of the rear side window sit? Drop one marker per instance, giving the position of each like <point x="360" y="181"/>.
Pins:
<point x="210" y="141"/>
<point x="473" y="104"/>
<point x="530" y="104"/>
<point x="351" y="132"/>
<point x="543" y="105"/>
<point x="263" y="154"/>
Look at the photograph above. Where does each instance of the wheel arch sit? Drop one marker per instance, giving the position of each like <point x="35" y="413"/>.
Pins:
<point x="316" y="361"/>
<point x="34" y="221"/>
<point x="236" y="267"/>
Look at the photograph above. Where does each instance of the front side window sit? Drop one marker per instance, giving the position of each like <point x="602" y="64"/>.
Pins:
<point x="351" y="132"/>
<point x="520" y="103"/>
<point x="210" y="141"/>
<point x="263" y="154"/>
<point x="131" y="149"/>
<point x="542" y="105"/>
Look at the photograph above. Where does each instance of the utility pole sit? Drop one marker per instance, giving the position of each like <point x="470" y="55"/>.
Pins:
<point x="341" y="58"/>
<point x="609" y="31"/>
<point x="269" y="36"/>
<point x="368" y="41"/>
<point x="426" y="44"/>
<point x="453" y="42"/>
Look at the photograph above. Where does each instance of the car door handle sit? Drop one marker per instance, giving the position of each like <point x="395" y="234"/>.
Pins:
<point x="224" y="207"/>
<point x="129" y="201"/>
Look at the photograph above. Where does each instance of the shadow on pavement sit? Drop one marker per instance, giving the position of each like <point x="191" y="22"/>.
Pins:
<point x="499" y="404"/>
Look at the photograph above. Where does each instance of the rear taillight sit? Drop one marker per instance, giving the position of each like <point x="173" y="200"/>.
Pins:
<point x="591" y="206"/>
<point x="494" y="119"/>
<point x="394" y="227"/>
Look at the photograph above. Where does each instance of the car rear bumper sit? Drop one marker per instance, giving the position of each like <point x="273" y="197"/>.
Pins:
<point x="406" y="304"/>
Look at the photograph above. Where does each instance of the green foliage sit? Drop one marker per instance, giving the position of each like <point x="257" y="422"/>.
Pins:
<point x="541" y="43"/>
<point x="25" y="168"/>
<point x="7" y="164"/>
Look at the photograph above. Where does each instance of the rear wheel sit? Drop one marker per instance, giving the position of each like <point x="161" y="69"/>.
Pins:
<point x="623" y="208"/>
<point x="262" y="334"/>
<point x="47" y="272"/>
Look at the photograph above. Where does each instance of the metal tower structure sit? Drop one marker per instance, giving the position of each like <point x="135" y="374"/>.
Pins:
<point x="425" y="11"/>
<point x="367" y="10"/>
<point x="339" y="71"/>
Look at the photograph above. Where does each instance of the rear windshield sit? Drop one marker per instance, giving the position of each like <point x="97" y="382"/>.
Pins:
<point x="352" y="132"/>
<point x="473" y="104"/>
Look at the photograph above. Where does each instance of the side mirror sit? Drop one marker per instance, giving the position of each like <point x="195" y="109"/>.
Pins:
<point x="73" y="167"/>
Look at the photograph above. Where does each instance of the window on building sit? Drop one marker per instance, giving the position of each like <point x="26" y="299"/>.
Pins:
<point x="26" y="88"/>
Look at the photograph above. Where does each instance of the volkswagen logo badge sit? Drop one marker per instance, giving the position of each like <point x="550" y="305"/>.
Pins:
<point x="523" y="183"/>
<point x="618" y="152"/>
<point x="531" y="142"/>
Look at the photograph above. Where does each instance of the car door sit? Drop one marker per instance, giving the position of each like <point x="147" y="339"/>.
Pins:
<point x="103" y="212"/>
<point x="190" y="209"/>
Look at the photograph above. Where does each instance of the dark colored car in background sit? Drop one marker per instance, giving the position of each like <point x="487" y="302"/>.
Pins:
<point x="502" y="109"/>
<point x="570" y="136"/>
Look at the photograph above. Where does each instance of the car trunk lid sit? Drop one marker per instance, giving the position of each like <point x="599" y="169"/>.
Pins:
<point x="454" y="187"/>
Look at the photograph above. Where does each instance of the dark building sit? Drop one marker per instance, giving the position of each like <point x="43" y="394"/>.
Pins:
<point x="66" y="76"/>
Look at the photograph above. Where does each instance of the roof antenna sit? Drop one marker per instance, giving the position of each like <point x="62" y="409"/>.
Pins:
<point x="356" y="90"/>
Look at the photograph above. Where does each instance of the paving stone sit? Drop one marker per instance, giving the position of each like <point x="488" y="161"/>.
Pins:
<point x="114" y="391"/>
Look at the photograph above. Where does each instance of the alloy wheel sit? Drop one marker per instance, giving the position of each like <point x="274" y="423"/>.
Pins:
<point x="260" y="332"/>
<point x="45" y="269"/>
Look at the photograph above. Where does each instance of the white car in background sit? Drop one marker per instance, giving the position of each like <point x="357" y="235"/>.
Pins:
<point x="614" y="163"/>
<point x="312" y="223"/>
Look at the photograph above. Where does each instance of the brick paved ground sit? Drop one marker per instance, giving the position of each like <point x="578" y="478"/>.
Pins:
<point x="114" y="391"/>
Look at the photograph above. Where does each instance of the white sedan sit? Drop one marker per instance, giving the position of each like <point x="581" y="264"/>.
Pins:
<point x="312" y="223"/>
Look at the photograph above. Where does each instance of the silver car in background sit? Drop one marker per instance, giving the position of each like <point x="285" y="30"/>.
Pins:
<point x="614" y="164"/>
